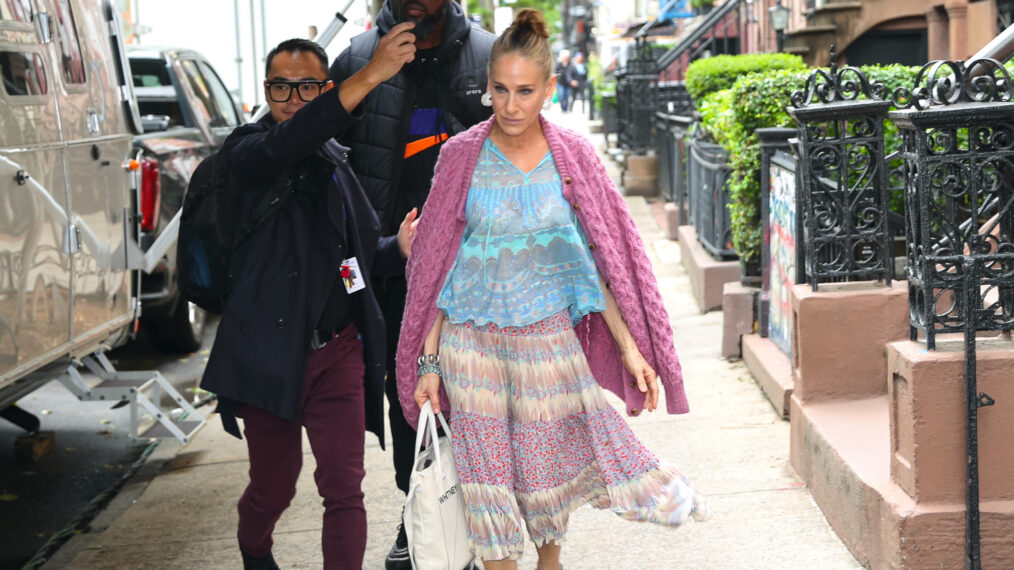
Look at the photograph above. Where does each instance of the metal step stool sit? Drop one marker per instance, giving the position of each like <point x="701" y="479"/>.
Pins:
<point x="142" y="388"/>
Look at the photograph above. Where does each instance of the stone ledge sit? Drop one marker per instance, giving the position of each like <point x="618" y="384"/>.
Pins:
<point x="772" y="370"/>
<point x="707" y="275"/>
<point x="738" y="303"/>
<point x="839" y="337"/>
<point x="841" y="449"/>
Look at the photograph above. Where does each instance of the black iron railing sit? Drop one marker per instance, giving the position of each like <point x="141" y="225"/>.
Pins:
<point x="635" y="98"/>
<point x="708" y="171"/>
<point x="844" y="176"/>
<point x="673" y="98"/>
<point x="719" y="33"/>
<point x="671" y="149"/>
<point x="959" y="204"/>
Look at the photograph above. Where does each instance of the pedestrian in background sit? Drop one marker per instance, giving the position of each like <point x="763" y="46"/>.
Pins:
<point x="529" y="291"/>
<point x="395" y="145"/>
<point x="577" y="77"/>
<point x="297" y="347"/>
<point x="562" y="83"/>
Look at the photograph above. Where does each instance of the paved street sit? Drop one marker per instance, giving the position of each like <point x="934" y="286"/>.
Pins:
<point x="179" y="512"/>
<point x="92" y="451"/>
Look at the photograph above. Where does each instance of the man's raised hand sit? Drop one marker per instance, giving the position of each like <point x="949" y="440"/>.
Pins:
<point x="394" y="50"/>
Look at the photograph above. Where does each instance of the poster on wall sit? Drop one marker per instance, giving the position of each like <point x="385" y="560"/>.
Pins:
<point x="782" y="220"/>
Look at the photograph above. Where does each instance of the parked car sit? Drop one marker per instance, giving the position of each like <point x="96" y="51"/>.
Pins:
<point x="187" y="113"/>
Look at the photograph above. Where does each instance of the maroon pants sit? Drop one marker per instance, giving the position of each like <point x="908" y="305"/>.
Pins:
<point x="334" y="417"/>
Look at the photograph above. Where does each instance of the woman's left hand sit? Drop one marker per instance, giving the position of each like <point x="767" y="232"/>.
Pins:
<point x="647" y="381"/>
<point x="406" y="232"/>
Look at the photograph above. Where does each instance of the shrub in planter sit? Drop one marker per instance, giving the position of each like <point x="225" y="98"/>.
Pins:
<point x="706" y="76"/>
<point x="757" y="101"/>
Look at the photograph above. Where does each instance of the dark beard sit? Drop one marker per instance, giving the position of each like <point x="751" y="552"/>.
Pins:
<point x="422" y="29"/>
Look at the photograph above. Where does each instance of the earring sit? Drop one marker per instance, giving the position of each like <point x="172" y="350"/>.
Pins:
<point x="546" y="104"/>
<point x="486" y="99"/>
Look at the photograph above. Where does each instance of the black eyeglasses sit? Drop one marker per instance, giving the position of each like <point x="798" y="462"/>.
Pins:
<point x="280" y="91"/>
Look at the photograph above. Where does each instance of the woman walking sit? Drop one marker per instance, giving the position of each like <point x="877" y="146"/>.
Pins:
<point x="529" y="290"/>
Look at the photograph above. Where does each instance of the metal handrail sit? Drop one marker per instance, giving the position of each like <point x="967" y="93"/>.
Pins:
<point x="716" y="17"/>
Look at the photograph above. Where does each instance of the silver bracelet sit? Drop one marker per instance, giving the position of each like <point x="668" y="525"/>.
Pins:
<point x="428" y="359"/>
<point x="429" y="368"/>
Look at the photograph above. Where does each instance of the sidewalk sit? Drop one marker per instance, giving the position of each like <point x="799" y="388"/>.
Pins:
<point x="179" y="511"/>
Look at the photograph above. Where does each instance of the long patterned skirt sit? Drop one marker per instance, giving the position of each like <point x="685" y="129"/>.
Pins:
<point x="534" y="439"/>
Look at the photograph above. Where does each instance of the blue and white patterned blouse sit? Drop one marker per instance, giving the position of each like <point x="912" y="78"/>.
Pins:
<point x="523" y="256"/>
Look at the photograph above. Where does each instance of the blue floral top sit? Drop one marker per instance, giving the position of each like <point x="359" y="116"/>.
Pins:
<point x="523" y="256"/>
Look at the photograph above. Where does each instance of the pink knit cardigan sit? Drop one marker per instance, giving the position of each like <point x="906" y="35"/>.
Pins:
<point x="612" y="236"/>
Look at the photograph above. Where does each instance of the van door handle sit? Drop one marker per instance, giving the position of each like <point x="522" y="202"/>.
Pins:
<point x="93" y="122"/>
<point x="21" y="177"/>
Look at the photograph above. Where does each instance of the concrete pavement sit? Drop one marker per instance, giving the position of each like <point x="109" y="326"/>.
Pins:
<point x="179" y="511"/>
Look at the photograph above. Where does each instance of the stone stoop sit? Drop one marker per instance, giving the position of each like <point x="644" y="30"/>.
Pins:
<point x="672" y="220"/>
<point x="839" y="334"/>
<point x="842" y="450"/>
<point x="738" y="318"/>
<point x="707" y="276"/>
<point x="772" y="370"/>
<point x="640" y="175"/>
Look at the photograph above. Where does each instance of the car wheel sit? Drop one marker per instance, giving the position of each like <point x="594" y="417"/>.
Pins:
<point x="183" y="331"/>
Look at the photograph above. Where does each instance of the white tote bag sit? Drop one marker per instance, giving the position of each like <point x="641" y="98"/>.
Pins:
<point x="434" y="509"/>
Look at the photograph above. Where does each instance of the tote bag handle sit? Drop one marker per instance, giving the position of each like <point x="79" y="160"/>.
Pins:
<point x="427" y="431"/>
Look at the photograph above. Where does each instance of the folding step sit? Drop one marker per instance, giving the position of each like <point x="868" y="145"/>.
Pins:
<point x="140" y="389"/>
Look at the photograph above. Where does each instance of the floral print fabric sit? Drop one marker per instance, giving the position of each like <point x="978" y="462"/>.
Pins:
<point x="523" y="256"/>
<point x="534" y="439"/>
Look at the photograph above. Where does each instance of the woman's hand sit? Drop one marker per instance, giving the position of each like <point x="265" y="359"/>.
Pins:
<point x="406" y="232"/>
<point x="428" y="390"/>
<point x="647" y="381"/>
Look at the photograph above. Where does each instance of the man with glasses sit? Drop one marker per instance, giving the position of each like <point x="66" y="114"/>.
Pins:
<point x="394" y="149"/>
<point x="301" y="342"/>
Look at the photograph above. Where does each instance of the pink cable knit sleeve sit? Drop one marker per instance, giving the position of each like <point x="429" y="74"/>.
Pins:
<point x="637" y="290"/>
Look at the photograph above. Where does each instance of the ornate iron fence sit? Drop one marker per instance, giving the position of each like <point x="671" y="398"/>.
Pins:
<point x="673" y="98"/>
<point x="635" y="97"/>
<point x="958" y="148"/>
<point x="708" y="171"/>
<point x="844" y="176"/>
<point x="671" y="149"/>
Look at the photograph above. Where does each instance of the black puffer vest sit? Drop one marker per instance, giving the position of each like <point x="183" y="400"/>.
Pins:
<point x="378" y="139"/>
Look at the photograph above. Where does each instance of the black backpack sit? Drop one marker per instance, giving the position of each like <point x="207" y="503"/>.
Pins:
<point x="210" y="234"/>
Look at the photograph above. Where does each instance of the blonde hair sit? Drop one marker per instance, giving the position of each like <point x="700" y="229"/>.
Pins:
<point x="528" y="37"/>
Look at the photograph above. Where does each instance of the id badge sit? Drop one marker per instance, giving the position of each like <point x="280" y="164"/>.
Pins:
<point x="351" y="276"/>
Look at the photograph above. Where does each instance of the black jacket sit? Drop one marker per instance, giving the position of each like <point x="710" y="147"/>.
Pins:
<point x="284" y="273"/>
<point x="378" y="140"/>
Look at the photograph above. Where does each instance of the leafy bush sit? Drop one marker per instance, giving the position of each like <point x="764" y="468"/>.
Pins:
<point x="760" y="100"/>
<point x="705" y="76"/>
<point x="716" y="115"/>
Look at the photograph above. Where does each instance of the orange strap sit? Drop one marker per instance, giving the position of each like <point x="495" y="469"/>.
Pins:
<point x="415" y="147"/>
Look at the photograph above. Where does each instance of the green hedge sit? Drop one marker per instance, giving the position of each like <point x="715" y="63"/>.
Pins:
<point x="708" y="75"/>
<point x="760" y="100"/>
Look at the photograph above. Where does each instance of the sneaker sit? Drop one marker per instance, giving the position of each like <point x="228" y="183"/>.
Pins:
<point x="397" y="557"/>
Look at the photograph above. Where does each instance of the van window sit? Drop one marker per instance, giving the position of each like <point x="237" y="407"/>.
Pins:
<point x="70" y="48"/>
<point x="23" y="73"/>
<point x="17" y="10"/>
<point x="226" y="108"/>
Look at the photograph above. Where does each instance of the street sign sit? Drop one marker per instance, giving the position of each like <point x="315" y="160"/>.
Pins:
<point x="681" y="9"/>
